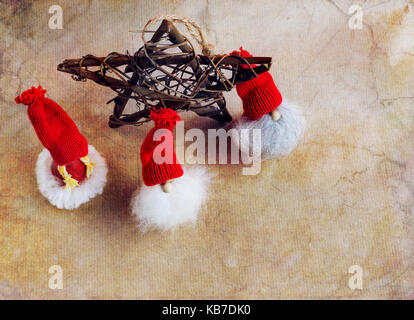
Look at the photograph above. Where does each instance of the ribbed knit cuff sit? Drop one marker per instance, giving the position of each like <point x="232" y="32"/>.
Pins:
<point x="259" y="96"/>
<point x="154" y="174"/>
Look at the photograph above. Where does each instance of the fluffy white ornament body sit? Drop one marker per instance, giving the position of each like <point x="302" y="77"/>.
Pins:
<point x="154" y="208"/>
<point x="277" y="137"/>
<point x="51" y="187"/>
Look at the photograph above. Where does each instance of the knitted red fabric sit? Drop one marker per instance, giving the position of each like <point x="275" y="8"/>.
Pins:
<point x="57" y="132"/>
<point x="55" y="129"/>
<point x="153" y="172"/>
<point x="259" y="95"/>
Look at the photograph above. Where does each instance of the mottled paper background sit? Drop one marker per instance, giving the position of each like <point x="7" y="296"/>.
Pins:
<point x="345" y="196"/>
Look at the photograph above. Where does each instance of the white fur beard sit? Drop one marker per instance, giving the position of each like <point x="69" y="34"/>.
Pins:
<point x="51" y="188"/>
<point x="278" y="138"/>
<point x="155" y="209"/>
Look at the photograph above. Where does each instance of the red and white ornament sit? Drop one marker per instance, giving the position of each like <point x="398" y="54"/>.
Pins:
<point x="171" y="195"/>
<point x="69" y="171"/>
<point x="282" y="124"/>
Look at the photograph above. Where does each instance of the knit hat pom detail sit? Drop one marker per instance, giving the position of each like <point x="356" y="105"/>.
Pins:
<point x="28" y="97"/>
<point x="241" y="52"/>
<point x="164" y="117"/>
<point x="245" y="54"/>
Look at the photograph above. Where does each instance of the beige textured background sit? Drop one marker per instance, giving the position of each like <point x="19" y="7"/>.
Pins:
<point x="345" y="196"/>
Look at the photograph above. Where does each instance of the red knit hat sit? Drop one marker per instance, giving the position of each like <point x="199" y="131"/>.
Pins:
<point x="154" y="172"/>
<point x="59" y="134"/>
<point x="259" y="95"/>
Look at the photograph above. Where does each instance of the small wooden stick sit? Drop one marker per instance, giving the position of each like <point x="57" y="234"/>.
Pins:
<point x="275" y="114"/>
<point x="167" y="186"/>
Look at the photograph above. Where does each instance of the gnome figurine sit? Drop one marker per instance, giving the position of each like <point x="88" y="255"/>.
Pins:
<point x="69" y="171"/>
<point x="170" y="195"/>
<point x="282" y="124"/>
